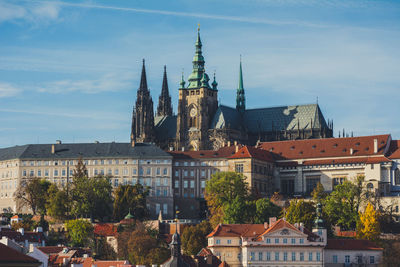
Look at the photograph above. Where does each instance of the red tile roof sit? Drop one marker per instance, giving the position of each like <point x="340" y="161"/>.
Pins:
<point x="327" y="147"/>
<point x="89" y="262"/>
<point x="252" y="152"/>
<point x="51" y="249"/>
<point x="223" y="152"/>
<point x="395" y="149"/>
<point x="351" y="244"/>
<point x="105" y="229"/>
<point x="280" y="224"/>
<point x="32" y="237"/>
<point x="237" y="230"/>
<point x="12" y="256"/>
<point x="15" y="217"/>
<point x="205" y="252"/>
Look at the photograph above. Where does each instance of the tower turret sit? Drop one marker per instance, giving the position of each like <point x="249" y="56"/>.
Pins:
<point x="319" y="227"/>
<point x="240" y="98"/>
<point x="164" y="101"/>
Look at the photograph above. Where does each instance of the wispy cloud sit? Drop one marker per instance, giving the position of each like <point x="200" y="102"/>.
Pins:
<point x="8" y="90"/>
<point x="34" y="12"/>
<point x="111" y="82"/>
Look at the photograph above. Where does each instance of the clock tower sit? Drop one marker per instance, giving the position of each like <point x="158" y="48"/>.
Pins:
<point x="197" y="105"/>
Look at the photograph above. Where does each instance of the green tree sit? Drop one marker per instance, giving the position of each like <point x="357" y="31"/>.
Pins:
<point x="91" y="196"/>
<point x="57" y="203"/>
<point x="32" y="193"/>
<point x="300" y="211"/>
<point x="223" y="189"/>
<point x="264" y="209"/>
<point x="319" y="193"/>
<point x="130" y="198"/>
<point x="342" y="205"/>
<point x="104" y="251"/>
<point x="237" y="211"/>
<point x="80" y="232"/>
<point x="368" y="224"/>
<point x="194" y="238"/>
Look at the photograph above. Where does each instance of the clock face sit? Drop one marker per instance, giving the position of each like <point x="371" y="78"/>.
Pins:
<point x="193" y="112"/>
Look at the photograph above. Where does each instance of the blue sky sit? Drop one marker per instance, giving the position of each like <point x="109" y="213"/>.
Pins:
<point x="69" y="70"/>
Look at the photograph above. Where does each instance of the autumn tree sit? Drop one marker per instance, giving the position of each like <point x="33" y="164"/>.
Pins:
<point x="130" y="198"/>
<point x="223" y="189"/>
<point x="57" y="203"/>
<point x="32" y="193"/>
<point x="194" y="238"/>
<point x="368" y="224"/>
<point x="300" y="211"/>
<point x="80" y="232"/>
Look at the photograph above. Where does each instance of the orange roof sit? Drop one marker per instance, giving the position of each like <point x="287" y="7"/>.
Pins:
<point x="327" y="147"/>
<point x="237" y="230"/>
<point x="105" y="229"/>
<point x="351" y="244"/>
<point x="15" y="217"/>
<point x="252" y="152"/>
<point x="89" y="262"/>
<point x="395" y="149"/>
<point x="223" y="152"/>
<point x="279" y="224"/>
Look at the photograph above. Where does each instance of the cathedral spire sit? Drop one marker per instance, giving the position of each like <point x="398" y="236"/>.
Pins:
<point x="164" y="102"/>
<point x="198" y="64"/>
<point x="240" y="98"/>
<point x="143" y="79"/>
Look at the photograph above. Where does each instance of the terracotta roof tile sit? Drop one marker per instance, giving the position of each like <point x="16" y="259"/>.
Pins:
<point x="89" y="262"/>
<point x="105" y="229"/>
<point x="252" y="152"/>
<point x="51" y="249"/>
<point x="237" y="230"/>
<point x="327" y="147"/>
<point x="351" y="244"/>
<point x="12" y="256"/>
<point x="395" y="149"/>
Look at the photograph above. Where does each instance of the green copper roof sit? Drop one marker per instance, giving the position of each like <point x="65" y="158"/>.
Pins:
<point x="129" y="215"/>
<point x="195" y="78"/>
<point x="240" y="98"/>
<point x="214" y="83"/>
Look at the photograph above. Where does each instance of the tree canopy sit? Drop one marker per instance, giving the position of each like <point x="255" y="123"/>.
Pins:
<point x="300" y="211"/>
<point x="32" y="193"/>
<point x="80" y="232"/>
<point x="368" y="224"/>
<point x="194" y="238"/>
<point x="130" y="198"/>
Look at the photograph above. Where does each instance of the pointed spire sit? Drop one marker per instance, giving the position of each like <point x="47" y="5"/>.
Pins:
<point x="214" y="83"/>
<point x="164" y="101"/>
<point x="143" y="79"/>
<point x="198" y="64"/>
<point x="182" y="83"/>
<point x="204" y="80"/>
<point x="240" y="97"/>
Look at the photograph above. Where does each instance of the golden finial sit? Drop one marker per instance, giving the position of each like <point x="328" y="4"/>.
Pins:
<point x="198" y="27"/>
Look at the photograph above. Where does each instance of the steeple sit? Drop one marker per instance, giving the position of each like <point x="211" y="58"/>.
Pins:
<point x="198" y="64"/>
<point x="164" y="102"/>
<point x="143" y="79"/>
<point x="214" y="83"/>
<point x="240" y="98"/>
<point x="182" y="83"/>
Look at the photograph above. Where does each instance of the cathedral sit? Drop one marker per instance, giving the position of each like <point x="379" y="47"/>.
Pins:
<point x="203" y="123"/>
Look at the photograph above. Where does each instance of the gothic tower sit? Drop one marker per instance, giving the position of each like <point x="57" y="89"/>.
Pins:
<point x="164" y="101"/>
<point x="142" y="115"/>
<point x="197" y="105"/>
<point x="240" y="98"/>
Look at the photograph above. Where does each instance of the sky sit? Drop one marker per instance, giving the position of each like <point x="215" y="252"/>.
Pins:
<point x="69" y="70"/>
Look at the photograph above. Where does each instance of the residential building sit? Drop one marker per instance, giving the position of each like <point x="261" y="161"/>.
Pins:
<point x="11" y="257"/>
<point x="25" y="239"/>
<point x="124" y="163"/>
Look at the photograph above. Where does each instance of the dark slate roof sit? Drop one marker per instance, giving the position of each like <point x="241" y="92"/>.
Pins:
<point x="270" y="119"/>
<point x="165" y="127"/>
<point x="84" y="150"/>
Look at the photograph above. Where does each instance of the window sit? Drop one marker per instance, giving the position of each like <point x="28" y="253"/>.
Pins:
<point x="109" y="172"/>
<point x="285" y="241"/>
<point x="158" y="172"/>
<point x="185" y="173"/>
<point x="276" y="240"/>
<point x="55" y="172"/>
<point x="165" y="171"/>
<point x="285" y="256"/>
<point x="185" y="184"/>
<point x="191" y="173"/>
<point x="39" y="173"/>
<point x="140" y="171"/>
<point x="260" y="256"/>
<point x="239" y="167"/>
<point x="165" y="192"/>
<point x="125" y="171"/>
<point x="96" y="172"/>
<point x="148" y="171"/>
<point x="371" y="259"/>
<point x="301" y="240"/>
<point x="115" y="182"/>
<point x="229" y="241"/>
<point x="165" y="208"/>
<point x="157" y="208"/>
<point x="293" y="240"/>
<point x="293" y="256"/>
<point x="310" y="256"/>
<point x="334" y="259"/>
<point x="311" y="183"/>
<point x="24" y="173"/>
<point x="203" y="184"/>
<point x="32" y="173"/>
<point x="347" y="259"/>
<point x="318" y="256"/>
<point x="216" y="241"/>
<point x="301" y="256"/>
<point x="191" y="184"/>
<point x="203" y="173"/>
<point x="176" y="173"/>
<point x="268" y="256"/>
<point x="268" y="240"/>
<point x="165" y="181"/>
<point x="252" y="256"/>
<point x="116" y="172"/>
<point x="277" y="256"/>
<point x="46" y="173"/>
<point x="176" y="184"/>
<point x="63" y="172"/>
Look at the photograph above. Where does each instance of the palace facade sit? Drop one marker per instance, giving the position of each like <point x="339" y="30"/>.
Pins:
<point x="203" y="123"/>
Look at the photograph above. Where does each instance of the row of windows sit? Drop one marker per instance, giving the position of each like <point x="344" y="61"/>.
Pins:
<point x="284" y="256"/>
<point x="325" y="166"/>
<point x="201" y="163"/>
<point x="94" y="162"/>
<point x="189" y="184"/>
<point x="359" y="259"/>
<point x="191" y="173"/>
<point x="285" y="240"/>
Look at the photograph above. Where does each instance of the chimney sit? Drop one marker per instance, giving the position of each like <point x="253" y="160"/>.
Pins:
<point x="375" y="145"/>
<point x="183" y="148"/>
<point x="302" y="227"/>
<point x="236" y="148"/>
<point x="58" y="142"/>
<point x="265" y="225"/>
<point x="65" y="261"/>
<point x="171" y="148"/>
<point x="235" y="143"/>
<point x="53" y="149"/>
<point x="351" y="151"/>
<point x="133" y="143"/>
<point x="21" y="230"/>
<point x="272" y="220"/>
<point x="229" y="143"/>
